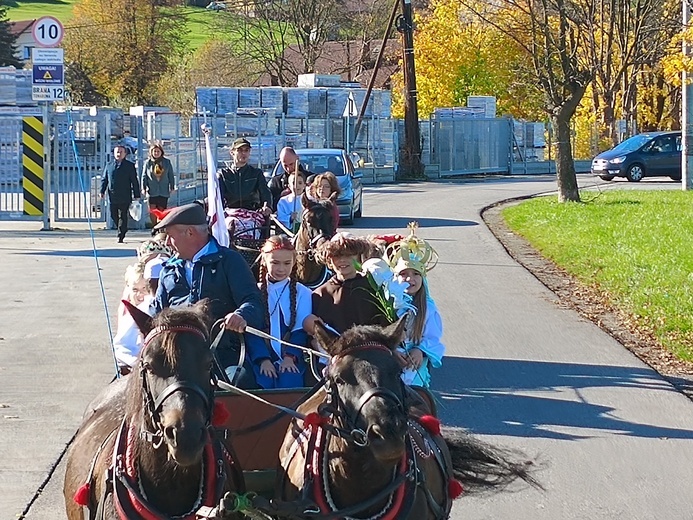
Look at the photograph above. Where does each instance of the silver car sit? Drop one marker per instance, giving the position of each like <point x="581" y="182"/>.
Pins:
<point x="335" y="160"/>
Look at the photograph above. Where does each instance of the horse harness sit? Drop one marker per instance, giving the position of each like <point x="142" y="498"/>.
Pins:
<point x="408" y="477"/>
<point x="122" y="477"/>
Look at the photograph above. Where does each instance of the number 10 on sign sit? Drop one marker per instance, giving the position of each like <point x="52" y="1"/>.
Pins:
<point x="48" y="31"/>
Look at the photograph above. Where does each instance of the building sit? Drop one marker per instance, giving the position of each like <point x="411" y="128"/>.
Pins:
<point x="23" y="30"/>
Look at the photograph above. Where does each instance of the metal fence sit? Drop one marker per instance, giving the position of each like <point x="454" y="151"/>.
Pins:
<point x="11" y="196"/>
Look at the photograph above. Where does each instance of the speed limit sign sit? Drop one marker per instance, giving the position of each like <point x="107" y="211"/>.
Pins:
<point x="48" y="31"/>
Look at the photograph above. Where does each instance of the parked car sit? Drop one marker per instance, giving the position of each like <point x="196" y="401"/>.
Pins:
<point x="335" y="160"/>
<point x="650" y="154"/>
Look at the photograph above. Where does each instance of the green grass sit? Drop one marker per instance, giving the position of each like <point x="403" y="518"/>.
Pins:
<point x="198" y="19"/>
<point x="635" y="247"/>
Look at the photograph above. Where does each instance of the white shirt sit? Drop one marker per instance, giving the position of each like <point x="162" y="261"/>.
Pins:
<point x="279" y="305"/>
<point x="287" y="205"/>
<point x="127" y="342"/>
<point x="431" y="345"/>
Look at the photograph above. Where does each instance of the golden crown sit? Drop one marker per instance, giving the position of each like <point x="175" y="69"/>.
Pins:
<point x="411" y="252"/>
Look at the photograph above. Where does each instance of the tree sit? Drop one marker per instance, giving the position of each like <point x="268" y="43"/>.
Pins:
<point x="553" y="35"/>
<point x="8" y="42"/>
<point x="265" y="30"/>
<point x="125" y="46"/>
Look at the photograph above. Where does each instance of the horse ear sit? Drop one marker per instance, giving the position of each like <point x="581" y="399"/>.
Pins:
<point x="326" y="337"/>
<point x="203" y="309"/>
<point x="142" y="319"/>
<point x="395" y="332"/>
<point x="306" y="201"/>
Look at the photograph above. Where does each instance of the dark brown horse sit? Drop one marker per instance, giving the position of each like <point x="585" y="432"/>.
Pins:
<point x="317" y="225"/>
<point x="367" y="449"/>
<point x="146" y="448"/>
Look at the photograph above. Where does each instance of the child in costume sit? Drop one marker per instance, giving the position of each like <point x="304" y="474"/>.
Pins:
<point x="411" y="259"/>
<point x="288" y="304"/>
<point x="347" y="298"/>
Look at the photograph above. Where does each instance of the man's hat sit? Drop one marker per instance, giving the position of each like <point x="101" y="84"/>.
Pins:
<point x="188" y="215"/>
<point x="239" y="143"/>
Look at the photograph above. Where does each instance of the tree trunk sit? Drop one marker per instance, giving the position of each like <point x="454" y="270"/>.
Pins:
<point x="565" y="167"/>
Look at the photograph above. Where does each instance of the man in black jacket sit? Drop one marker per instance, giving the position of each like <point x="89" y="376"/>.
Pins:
<point x="243" y="185"/>
<point x="289" y="160"/>
<point x="204" y="269"/>
<point x="120" y="180"/>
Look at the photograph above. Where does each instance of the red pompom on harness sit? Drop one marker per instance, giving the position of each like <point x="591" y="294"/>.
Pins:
<point x="82" y="495"/>
<point x="455" y="488"/>
<point x="430" y="423"/>
<point x="220" y="414"/>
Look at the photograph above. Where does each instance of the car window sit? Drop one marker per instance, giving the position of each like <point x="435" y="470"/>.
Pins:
<point x="664" y="144"/>
<point x="632" y="143"/>
<point x="324" y="163"/>
<point x="678" y="143"/>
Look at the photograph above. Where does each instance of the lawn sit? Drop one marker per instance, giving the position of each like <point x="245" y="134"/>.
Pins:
<point x="635" y="247"/>
<point x="198" y="19"/>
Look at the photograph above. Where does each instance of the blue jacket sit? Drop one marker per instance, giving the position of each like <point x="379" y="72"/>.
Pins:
<point x="222" y="276"/>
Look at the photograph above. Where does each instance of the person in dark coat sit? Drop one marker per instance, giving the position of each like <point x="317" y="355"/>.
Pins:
<point x="243" y="185"/>
<point x="202" y="269"/>
<point x="289" y="160"/>
<point x="120" y="181"/>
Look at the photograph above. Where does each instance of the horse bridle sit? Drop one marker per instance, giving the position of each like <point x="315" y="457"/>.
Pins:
<point x="152" y="405"/>
<point x="358" y="436"/>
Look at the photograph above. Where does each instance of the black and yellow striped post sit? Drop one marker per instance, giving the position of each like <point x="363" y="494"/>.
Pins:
<point x="32" y="162"/>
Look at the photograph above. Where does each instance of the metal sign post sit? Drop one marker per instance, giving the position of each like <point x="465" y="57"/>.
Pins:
<point x="350" y="111"/>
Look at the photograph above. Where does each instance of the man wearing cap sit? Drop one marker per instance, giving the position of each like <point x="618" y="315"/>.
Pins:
<point x="243" y="185"/>
<point x="204" y="269"/>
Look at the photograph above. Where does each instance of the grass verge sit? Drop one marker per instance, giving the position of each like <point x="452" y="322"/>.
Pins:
<point x="634" y="247"/>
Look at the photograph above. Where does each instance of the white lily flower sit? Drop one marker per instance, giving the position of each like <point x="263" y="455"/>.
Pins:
<point x="397" y="292"/>
<point x="379" y="270"/>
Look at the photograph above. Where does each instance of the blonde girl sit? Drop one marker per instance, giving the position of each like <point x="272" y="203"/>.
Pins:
<point x="287" y="306"/>
<point x="423" y="349"/>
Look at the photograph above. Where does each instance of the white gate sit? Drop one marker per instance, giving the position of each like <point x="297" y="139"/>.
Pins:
<point x="76" y="182"/>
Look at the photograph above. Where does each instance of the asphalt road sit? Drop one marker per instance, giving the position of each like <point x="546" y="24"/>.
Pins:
<point x="611" y="438"/>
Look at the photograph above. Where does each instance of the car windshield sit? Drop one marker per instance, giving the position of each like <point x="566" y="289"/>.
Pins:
<point x="632" y="143"/>
<point x="321" y="163"/>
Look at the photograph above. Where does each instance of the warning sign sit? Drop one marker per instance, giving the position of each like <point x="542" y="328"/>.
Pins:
<point x="48" y="74"/>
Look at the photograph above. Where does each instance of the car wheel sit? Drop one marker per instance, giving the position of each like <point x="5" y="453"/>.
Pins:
<point x="359" y="212"/>
<point x="635" y="173"/>
<point x="606" y="177"/>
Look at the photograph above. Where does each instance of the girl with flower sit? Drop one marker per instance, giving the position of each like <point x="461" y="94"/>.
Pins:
<point x="411" y="259"/>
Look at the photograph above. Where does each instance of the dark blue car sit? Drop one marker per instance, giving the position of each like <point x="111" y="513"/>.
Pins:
<point x="653" y="154"/>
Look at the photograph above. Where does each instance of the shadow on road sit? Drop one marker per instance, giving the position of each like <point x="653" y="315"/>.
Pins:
<point x="484" y="398"/>
<point x="103" y="253"/>
<point x="369" y="222"/>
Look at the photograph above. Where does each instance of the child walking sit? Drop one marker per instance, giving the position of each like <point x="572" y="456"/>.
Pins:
<point x="288" y="305"/>
<point x="411" y="260"/>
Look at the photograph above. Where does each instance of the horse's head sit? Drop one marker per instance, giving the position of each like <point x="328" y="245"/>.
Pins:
<point x="317" y="221"/>
<point x="170" y="392"/>
<point x="365" y="386"/>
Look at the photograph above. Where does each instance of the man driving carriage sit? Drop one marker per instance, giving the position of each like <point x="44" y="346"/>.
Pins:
<point x="204" y="269"/>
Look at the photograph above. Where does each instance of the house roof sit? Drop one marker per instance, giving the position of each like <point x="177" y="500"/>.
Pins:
<point x="21" y="26"/>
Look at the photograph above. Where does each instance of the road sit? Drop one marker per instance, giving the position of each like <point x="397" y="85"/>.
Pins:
<point x="611" y="439"/>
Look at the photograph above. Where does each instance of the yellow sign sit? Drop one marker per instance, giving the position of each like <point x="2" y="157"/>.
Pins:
<point x="47" y="75"/>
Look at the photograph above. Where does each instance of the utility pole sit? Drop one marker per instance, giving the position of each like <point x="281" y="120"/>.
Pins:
<point x="411" y="164"/>
<point x="686" y="112"/>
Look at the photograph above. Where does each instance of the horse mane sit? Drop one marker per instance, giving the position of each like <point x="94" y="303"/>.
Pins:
<point x="196" y="316"/>
<point x="360" y="334"/>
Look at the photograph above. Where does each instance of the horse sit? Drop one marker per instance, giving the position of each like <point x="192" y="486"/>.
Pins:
<point x="146" y="447"/>
<point x="317" y="226"/>
<point x="368" y="448"/>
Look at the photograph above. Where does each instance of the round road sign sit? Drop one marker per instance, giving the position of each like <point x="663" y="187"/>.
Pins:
<point x="48" y="31"/>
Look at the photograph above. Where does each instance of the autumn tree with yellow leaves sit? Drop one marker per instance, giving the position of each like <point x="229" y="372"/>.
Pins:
<point x="124" y="47"/>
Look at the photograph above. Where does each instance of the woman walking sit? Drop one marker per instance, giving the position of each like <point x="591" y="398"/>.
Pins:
<point x="158" y="181"/>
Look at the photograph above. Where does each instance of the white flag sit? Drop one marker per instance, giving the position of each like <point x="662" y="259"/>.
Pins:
<point x="215" y="206"/>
